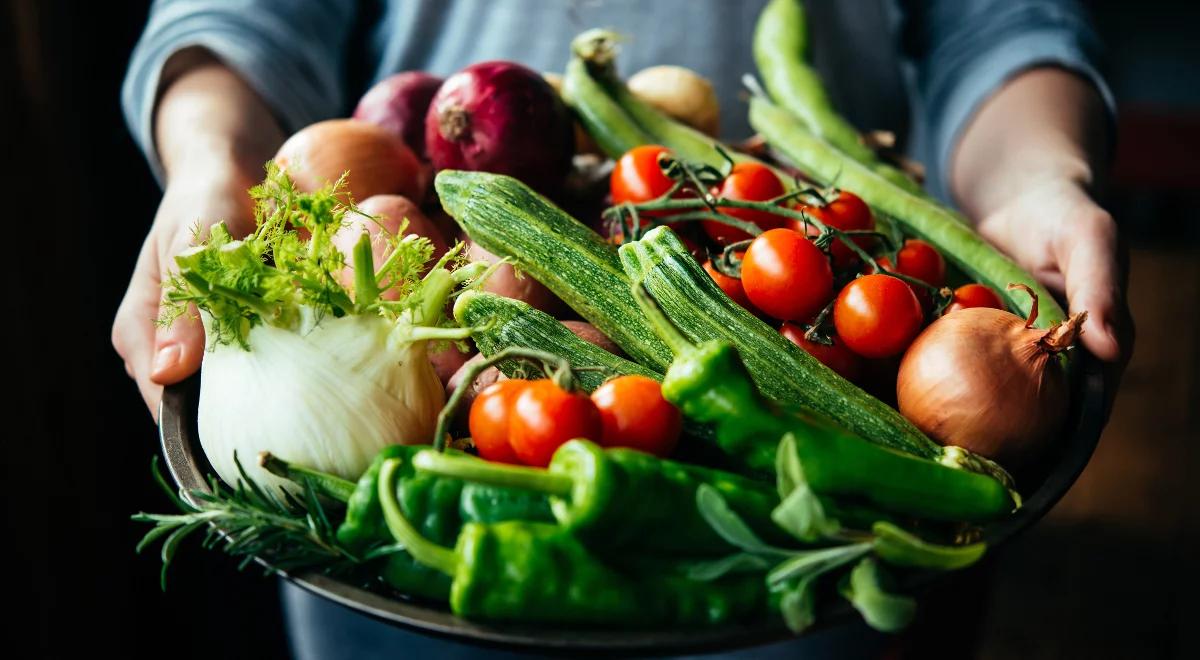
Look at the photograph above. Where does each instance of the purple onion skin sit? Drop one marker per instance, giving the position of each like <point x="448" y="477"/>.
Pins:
<point x="399" y="104"/>
<point x="504" y="118"/>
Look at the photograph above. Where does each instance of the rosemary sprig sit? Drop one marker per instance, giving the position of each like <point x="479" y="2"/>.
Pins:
<point x="249" y="523"/>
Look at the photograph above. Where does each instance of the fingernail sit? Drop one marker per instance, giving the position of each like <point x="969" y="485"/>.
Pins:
<point x="167" y="357"/>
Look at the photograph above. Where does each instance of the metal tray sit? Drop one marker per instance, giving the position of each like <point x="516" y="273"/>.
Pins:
<point x="189" y="467"/>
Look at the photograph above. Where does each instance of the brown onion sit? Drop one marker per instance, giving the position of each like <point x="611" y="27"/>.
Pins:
<point x="378" y="162"/>
<point x="986" y="380"/>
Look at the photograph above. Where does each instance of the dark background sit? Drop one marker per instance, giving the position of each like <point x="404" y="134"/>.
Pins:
<point x="79" y="197"/>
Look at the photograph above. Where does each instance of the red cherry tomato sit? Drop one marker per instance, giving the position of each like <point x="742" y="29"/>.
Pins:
<point x="920" y="260"/>
<point x="974" y="295"/>
<point x="837" y="357"/>
<point x="877" y="316"/>
<point x="786" y="276"/>
<point x="637" y="176"/>
<point x="489" y="420"/>
<point x="635" y="414"/>
<point x="848" y="213"/>
<point x="732" y="286"/>
<point x="545" y="416"/>
<point x="746" y="182"/>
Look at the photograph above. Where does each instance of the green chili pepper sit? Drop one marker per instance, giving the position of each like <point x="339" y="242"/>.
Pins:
<point x="710" y="383"/>
<point x="621" y="498"/>
<point x="441" y="505"/>
<point x="536" y="572"/>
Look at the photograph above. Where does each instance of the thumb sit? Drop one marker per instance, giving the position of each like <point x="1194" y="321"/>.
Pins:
<point x="178" y="349"/>
<point x="1092" y="285"/>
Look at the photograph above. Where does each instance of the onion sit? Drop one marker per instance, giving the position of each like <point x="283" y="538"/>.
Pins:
<point x="389" y="212"/>
<point x="379" y="163"/>
<point x="501" y="117"/>
<point x="399" y="104"/>
<point x="680" y="93"/>
<point x="988" y="381"/>
<point x="505" y="282"/>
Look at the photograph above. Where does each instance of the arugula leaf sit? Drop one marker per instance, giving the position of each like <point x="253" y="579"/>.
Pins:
<point x="883" y="611"/>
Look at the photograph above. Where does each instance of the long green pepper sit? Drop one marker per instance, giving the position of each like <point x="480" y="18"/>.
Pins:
<point x="621" y="498"/>
<point x="710" y="383"/>
<point x="536" y="572"/>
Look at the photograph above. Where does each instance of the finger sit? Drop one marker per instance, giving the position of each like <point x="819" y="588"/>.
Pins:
<point x="1089" y="267"/>
<point x="178" y="347"/>
<point x="133" y="327"/>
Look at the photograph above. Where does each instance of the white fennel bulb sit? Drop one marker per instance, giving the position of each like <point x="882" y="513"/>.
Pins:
<point x="320" y="374"/>
<point x="328" y="399"/>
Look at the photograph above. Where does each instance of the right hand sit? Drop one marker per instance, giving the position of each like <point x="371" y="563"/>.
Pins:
<point x="197" y="198"/>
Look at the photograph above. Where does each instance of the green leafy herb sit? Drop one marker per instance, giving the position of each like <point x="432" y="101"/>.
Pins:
<point x="801" y="512"/>
<point x="903" y="548"/>
<point x="290" y="532"/>
<point x="882" y="610"/>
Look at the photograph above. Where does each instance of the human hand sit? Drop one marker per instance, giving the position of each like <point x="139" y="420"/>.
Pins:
<point x="1054" y="229"/>
<point x="156" y="356"/>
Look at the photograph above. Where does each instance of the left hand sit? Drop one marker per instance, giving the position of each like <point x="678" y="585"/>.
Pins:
<point x="1054" y="229"/>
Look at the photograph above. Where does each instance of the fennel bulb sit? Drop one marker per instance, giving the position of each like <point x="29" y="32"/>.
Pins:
<point x="320" y="374"/>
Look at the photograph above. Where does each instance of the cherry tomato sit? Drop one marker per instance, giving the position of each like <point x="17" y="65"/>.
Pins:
<point x="786" y="276"/>
<point x="746" y="182"/>
<point x="635" y="414"/>
<point x="545" y="416"/>
<point x="877" y="316"/>
<point x="837" y="357"/>
<point x="637" y="176"/>
<point x="489" y="420"/>
<point x="848" y="213"/>
<point x="920" y="260"/>
<point x="974" y="295"/>
<point x="732" y="286"/>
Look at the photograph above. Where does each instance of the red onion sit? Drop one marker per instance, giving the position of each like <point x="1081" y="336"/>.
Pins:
<point x="501" y="117"/>
<point x="986" y="380"/>
<point x="399" y="103"/>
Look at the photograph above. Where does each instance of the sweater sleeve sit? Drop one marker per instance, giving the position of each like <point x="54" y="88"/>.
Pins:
<point x="962" y="51"/>
<point x="291" y="52"/>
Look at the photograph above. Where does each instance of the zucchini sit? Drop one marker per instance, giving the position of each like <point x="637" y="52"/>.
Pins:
<point x="619" y="121"/>
<point x="918" y="215"/>
<point x="504" y="322"/>
<point x="782" y="370"/>
<point x="509" y="219"/>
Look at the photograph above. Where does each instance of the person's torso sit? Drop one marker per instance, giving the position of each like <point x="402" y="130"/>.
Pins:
<point x="851" y="42"/>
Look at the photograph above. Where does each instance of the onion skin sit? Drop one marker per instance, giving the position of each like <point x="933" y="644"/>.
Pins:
<point x="983" y="380"/>
<point x="399" y="104"/>
<point x="504" y="282"/>
<point x="390" y="210"/>
<point x="504" y="118"/>
<point x="379" y="162"/>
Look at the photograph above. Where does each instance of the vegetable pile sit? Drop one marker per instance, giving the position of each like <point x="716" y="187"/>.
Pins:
<point x="774" y="388"/>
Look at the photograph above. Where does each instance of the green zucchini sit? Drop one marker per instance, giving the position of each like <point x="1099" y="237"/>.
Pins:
<point x="918" y="215"/>
<point x="781" y="53"/>
<point x="509" y="219"/>
<point x="619" y="121"/>
<point x="783" y="371"/>
<point x="504" y="322"/>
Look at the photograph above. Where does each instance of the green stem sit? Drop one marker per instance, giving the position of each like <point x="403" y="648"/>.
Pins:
<point x="436" y="287"/>
<point x="329" y="485"/>
<point x="811" y="563"/>
<point x="494" y="474"/>
<point x="366" y="287"/>
<point x="422" y="549"/>
<point x="552" y="365"/>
